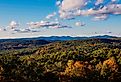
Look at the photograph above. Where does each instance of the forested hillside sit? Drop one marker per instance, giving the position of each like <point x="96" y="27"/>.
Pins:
<point x="91" y="60"/>
<point x="20" y="43"/>
<point x="8" y="44"/>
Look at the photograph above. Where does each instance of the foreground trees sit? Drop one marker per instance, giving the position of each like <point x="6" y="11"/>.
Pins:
<point x="69" y="61"/>
<point x="1" y="73"/>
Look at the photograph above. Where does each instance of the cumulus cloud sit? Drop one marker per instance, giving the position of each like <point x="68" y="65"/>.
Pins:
<point x="51" y="15"/>
<point x="13" y="24"/>
<point x="2" y="29"/>
<point x="26" y="30"/>
<point x="22" y="30"/>
<point x="78" y="24"/>
<point x="68" y="5"/>
<point x="100" y="17"/>
<point x="42" y="24"/>
<point x="58" y="3"/>
<point x="47" y="24"/>
<point x="59" y="26"/>
<point x="99" y="9"/>
<point x="99" y="2"/>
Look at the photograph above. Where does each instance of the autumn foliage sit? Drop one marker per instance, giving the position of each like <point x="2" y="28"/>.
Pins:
<point x="93" y="60"/>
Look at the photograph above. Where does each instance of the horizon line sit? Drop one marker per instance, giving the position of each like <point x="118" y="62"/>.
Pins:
<point x="60" y="36"/>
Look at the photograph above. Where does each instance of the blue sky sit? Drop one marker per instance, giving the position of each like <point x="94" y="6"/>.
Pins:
<point x="24" y="11"/>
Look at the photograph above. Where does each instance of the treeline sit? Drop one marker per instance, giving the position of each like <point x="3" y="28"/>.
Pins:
<point x="93" y="60"/>
<point x="10" y="44"/>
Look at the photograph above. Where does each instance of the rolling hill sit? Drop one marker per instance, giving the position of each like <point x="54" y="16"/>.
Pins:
<point x="7" y="44"/>
<point x="89" y="60"/>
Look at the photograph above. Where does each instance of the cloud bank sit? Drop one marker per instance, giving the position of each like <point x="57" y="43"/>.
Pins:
<point x="98" y="9"/>
<point x="70" y="9"/>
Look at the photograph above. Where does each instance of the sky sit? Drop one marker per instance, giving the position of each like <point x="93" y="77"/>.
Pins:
<point x="34" y="18"/>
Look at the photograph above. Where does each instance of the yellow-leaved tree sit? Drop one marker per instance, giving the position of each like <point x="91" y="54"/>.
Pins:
<point x="1" y="71"/>
<point x="77" y="69"/>
<point x="108" y="69"/>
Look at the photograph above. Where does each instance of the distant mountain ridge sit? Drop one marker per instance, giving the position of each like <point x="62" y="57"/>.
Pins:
<point x="6" y="44"/>
<point x="63" y="38"/>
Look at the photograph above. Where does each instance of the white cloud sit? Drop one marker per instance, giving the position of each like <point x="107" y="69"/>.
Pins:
<point x="2" y="28"/>
<point x="99" y="2"/>
<point x="42" y="24"/>
<point x="100" y="17"/>
<point x="68" y="6"/>
<point x="51" y="15"/>
<point x="26" y="30"/>
<point x="59" y="26"/>
<point x="109" y="9"/>
<point x="13" y="24"/>
<point x="66" y="15"/>
<point x="47" y="24"/>
<point x="113" y="1"/>
<point x="72" y="4"/>
<point x="58" y="3"/>
<point x="78" y="24"/>
<point x="99" y="9"/>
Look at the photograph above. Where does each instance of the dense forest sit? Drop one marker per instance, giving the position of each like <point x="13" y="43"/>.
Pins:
<point x="91" y="60"/>
<point x="8" y="44"/>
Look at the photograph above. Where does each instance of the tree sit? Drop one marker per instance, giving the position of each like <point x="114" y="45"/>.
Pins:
<point x="1" y="72"/>
<point x="77" y="70"/>
<point x="109" y="68"/>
